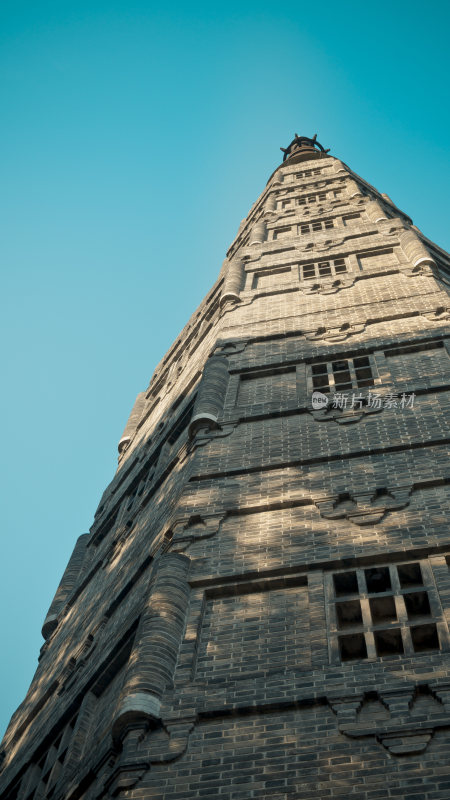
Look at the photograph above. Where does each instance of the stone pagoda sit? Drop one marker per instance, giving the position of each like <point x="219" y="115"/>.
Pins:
<point x="261" y="607"/>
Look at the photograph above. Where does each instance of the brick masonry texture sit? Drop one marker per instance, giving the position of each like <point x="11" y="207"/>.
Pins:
<point x="261" y="607"/>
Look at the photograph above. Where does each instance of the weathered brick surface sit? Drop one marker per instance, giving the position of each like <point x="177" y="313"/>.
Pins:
<point x="198" y="642"/>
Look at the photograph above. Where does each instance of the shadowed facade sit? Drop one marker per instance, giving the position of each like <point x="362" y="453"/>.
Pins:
<point x="261" y="606"/>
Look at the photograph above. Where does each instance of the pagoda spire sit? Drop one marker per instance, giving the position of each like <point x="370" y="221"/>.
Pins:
<point x="302" y="148"/>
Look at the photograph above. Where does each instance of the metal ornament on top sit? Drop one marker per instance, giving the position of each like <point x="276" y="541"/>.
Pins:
<point x="302" y="148"/>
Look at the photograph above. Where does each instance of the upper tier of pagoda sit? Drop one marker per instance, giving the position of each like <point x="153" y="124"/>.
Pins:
<point x="302" y="148"/>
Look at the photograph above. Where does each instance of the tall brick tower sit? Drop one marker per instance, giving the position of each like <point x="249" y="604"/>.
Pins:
<point x="261" y="607"/>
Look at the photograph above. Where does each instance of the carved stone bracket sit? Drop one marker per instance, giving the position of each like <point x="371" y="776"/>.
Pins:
<point x="344" y="416"/>
<point x="230" y="348"/>
<point x="187" y="531"/>
<point x="442" y="693"/>
<point x="365" y="508"/>
<point x="441" y="314"/>
<point x="338" y="334"/>
<point x="204" y="435"/>
<point x="400" y="720"/>
<point x="327" y="244"/>
<point x="143" y="747"/>
<point x="391" y="227"/>
<point x="330" y="286"/>
<point x="173" y="743"/>
<point x="346" y="709"/>
<point x="131" y="765"/>
<point x="419" y="270"/>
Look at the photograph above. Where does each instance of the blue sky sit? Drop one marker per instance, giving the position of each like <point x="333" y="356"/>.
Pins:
<point x="134" y="138"/>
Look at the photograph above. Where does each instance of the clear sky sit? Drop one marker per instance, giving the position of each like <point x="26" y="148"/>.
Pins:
<point x="134" y="138"/>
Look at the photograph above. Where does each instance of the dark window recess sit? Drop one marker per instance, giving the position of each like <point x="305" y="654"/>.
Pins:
<point x="444" y="269"/>
<point x="147" y="476"/>
<point x="42" y="761"/>
<point x="382" y="609"/>
<point x="345" y="583"/>
<point x="181" y="423"/>
<point x="424" y="637"/>
<point x="381" y="590"/>
<point x="119" y="598"/>
<point x="410" y="575"/>
<point x="343" y="375"/>
<point x="106" y="527"/>
<point x="378" y="579"/>
<point x="132" y="496"/>
<point x="320" y="377"/>
<point x="417" y="605"/>
<point x="151" y="463"/>
<point x="50" y="764"/>
<point x="317" y="225"/>
<point x="312" y="198"/>
<point x="322" y="269"/>
<point x="363" y="371"/>
<point x="177" y="402"/>
<point x="174" y="433"/>
<point x="352" y="647"/>
<point x="388" y="642"/>
<point x="308" y="173"/>
<point x="118" y="658"/>
<point x="13" y="793"/>
<point x="348" y="613"/>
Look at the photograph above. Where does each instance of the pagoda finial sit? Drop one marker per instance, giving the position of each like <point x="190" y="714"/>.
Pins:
<point x="302" y="145"/>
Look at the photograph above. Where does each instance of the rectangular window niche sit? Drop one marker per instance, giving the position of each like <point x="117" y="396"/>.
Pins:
<point x="272" y="279"/>
<point x="415" y="364"/>
<point x="382" y="611"/>
<point x="251" y="630"/>
<point x="274" y="387"/>
<point x="377" y="259"/>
